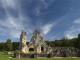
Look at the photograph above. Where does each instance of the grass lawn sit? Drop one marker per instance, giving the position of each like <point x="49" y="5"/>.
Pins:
<point x="6" y="57"/>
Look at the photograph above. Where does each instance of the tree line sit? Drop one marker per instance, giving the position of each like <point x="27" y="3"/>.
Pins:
<point x="12" y="46"/>
<point x="9" y="45"/>
<point x="75" y="42"/>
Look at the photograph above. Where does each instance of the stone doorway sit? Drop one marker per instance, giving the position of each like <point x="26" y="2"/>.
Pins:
<point x="31" y="50"/>
<point x="42" y="49"/>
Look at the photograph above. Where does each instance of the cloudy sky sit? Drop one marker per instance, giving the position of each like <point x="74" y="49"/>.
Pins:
<point x="55" y="18"/>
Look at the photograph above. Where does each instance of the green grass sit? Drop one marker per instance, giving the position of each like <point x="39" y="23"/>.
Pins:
<point x="49" y="59"/>
<point x="6" y="57"/>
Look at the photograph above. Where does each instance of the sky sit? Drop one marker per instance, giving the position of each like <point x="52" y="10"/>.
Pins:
<point x="55" y="18"/>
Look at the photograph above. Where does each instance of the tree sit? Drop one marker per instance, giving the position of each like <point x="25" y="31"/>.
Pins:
<point x="2" y="46"/>
<point x="77" y="44"/>
<point x="8" y="45"/>
<point x="15" y="46"/>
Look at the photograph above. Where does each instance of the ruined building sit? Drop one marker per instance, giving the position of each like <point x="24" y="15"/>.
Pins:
<point x="36" y="45"/>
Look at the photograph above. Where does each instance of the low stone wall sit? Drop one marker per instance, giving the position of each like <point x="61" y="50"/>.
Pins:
<point x="56" y="52"/>
<point x="45" y="55"/>
<point x="32" y="55"/>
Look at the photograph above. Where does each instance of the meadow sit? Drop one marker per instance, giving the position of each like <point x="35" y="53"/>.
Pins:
<point x="7" y="57"/>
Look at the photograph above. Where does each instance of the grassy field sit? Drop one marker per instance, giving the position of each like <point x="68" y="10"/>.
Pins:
<point x="7" y="57"/>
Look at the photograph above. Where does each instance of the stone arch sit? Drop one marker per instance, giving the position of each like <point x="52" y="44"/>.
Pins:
<point x="31" y="49"/>
<point x="42" y="48"/>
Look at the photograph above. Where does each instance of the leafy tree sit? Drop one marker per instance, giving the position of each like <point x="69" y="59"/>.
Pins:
<point x="8" y="45"/>
<point x="15" y="46"/>
<point x="2" y="46"/>
<point x="77" y="42"/>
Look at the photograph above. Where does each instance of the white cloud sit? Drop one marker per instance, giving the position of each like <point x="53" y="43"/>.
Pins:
<point x="47" y="28"/>
<point x="15" y="33"/>
<point x="11" y="22"/>
<point x="13" y="5"/>
<point x="72" y="33"/>
<point x="70" y="36"/>
<point x="12" y="26"/>
<point x="77" y="21"/>
<point x="73" y="30"/>
<point x="10" y="3"/>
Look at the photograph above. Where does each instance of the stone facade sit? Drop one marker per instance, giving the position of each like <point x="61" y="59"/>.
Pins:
<point x="23" y="47"/>
<point x="36" y="45"/>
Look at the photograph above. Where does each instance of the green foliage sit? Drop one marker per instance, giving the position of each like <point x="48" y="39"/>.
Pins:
<point x="75" y="42"/>
<point x="15" y="46"/>
<point x="8" y="45"/>
<point x="2" y="46"/>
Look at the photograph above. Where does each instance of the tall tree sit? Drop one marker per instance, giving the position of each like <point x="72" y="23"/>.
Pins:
<point x="78" y="41"/>
<point x="8" y="45"/>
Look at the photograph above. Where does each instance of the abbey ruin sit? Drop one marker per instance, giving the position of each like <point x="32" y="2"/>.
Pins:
<point x="36" y="45"/>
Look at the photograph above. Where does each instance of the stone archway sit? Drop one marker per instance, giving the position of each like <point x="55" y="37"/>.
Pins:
<point x="42" y="49"/>
<point x="31" y="49"/>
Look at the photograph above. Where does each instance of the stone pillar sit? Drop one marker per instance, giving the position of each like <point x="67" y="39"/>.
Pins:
<point x="23" y="46"/>
<point x="39" y="49"/>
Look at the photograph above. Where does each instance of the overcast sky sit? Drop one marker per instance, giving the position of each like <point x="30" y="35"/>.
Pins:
<point x="55" y="18"/>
